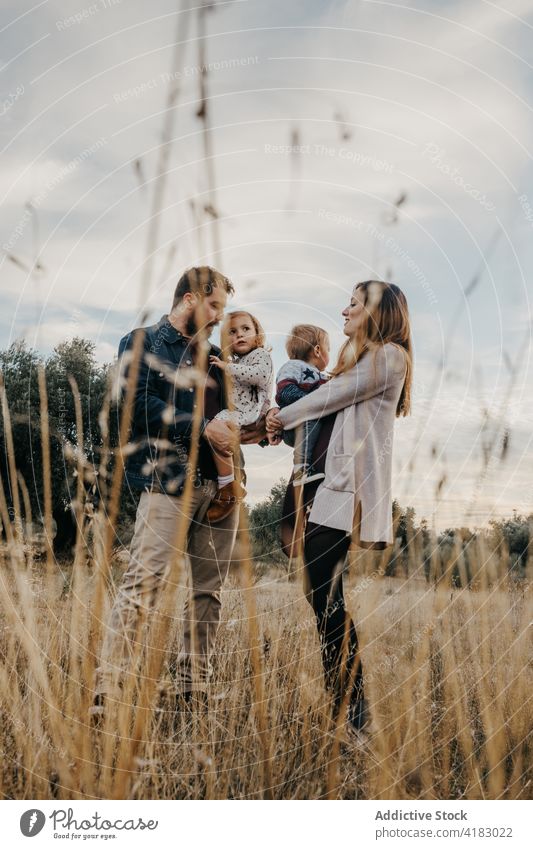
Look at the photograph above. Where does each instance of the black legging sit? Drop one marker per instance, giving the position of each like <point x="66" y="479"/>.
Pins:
<point x="325" y="551"/>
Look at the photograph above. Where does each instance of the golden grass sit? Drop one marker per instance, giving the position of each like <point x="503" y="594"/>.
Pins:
<point x="448" y="671"/>
<point x="448" y="675"/>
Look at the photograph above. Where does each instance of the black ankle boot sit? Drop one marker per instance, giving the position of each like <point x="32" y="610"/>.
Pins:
<point x="359" y="714"/>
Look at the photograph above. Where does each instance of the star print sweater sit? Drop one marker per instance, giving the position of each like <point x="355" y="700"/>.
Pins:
<point x="252" y="376"/>
<point x="296" y="379"/>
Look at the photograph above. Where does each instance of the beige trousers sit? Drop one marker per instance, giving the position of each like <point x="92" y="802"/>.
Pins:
<point x="154" y="542"/>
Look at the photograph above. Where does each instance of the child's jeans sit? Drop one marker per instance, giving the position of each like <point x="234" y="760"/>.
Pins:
<point x="303" y="439"/>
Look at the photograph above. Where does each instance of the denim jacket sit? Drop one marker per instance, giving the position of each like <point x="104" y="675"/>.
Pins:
<point x="161" y="426"/>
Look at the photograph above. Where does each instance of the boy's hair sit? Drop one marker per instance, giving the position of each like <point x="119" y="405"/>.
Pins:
<point x="259" y="332"/>
<point x="302" y="340"/>
<point x="201" y="280"/>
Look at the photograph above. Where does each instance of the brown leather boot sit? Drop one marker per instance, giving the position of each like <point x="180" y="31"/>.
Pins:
<point x="225" y="501"/>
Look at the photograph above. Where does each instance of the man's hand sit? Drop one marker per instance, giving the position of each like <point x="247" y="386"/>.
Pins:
<point x="221" y="437"/>
<point x="251" y="434"/>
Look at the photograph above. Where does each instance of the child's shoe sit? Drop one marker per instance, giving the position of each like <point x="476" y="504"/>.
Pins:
<point x="225" y="501"/>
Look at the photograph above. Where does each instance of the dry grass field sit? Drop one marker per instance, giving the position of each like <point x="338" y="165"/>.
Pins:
<point x="446" y="656"/>
<point x="448" y="675"/>
<point x="445" y="650"/>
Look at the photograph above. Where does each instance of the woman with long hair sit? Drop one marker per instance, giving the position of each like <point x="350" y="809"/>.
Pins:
<point x="370" y="386"/>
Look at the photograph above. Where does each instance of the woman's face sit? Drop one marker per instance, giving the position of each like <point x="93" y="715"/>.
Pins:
<point x="355" y="313"/>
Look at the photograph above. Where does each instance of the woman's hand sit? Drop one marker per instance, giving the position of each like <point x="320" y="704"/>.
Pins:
<point x="273" y="424"/>
<point x="274" y="427"/>
<point x="216" y="361"/>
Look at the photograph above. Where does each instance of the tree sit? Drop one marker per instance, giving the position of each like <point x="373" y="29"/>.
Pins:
<point x="403" y="522"/>
<point x="19" y="366"/>
<point x="264" y="522"/>
<point x="515" y="532"/>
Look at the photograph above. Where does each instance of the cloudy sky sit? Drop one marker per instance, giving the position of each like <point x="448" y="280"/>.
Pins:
<point x="429" y="102"/>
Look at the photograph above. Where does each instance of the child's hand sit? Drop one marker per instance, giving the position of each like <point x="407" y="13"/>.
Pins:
<point x="273" y="424"/>
<point x="274" y="438"/>
<point x="216" y="361"/>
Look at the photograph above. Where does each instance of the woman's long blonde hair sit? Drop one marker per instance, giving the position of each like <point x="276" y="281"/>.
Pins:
<point x="387" y="321"/>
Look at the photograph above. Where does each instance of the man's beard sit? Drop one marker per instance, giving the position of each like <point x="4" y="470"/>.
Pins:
<point x="192" y="328"/>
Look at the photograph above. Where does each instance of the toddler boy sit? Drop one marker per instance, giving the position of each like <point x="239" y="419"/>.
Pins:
<point x="308" y="350"/>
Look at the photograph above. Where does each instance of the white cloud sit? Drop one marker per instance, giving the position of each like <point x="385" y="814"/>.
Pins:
<point x="400" y="78"/>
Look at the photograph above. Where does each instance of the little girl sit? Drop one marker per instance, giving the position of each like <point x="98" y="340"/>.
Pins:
<point x="252" y="375"/>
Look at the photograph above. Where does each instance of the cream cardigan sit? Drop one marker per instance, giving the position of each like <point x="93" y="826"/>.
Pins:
<point x="359" y="459"/>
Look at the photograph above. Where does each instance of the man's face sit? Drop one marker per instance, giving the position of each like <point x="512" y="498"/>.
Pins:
<point x="206" y="312"/>
<point x="214" y="306"/>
